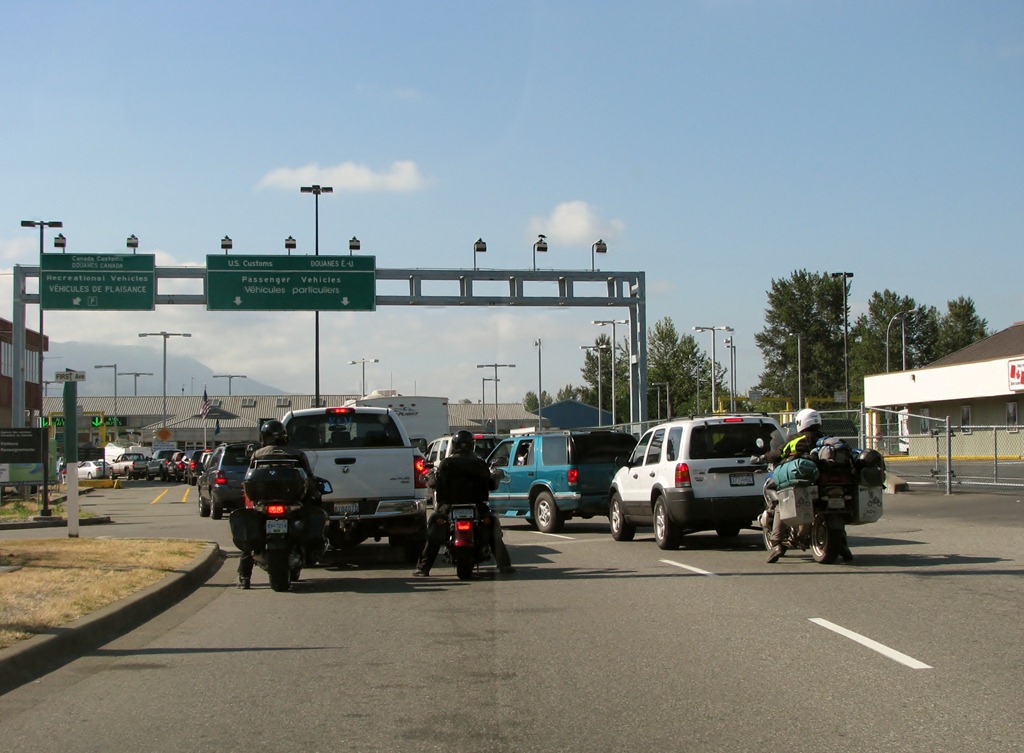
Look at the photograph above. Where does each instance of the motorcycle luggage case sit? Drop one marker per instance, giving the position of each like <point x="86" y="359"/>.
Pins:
<point x="796" y="504"/>
<point x="247" y="530"/>
<point x="869" y="504"/>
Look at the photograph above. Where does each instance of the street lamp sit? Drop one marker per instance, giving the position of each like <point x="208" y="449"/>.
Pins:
<point x="542" y="246"/>
<point x="114" y="367"/>
<point x="540" y="391"/>
<point x="496" y="366"/>
<point x="42" y="225"/>
<point x="601" y="248"/>
<point x="483" y="399"/>
<point x="732" y="373"/>
<point x="613" y="322"/>
<point x="60" y="242"/>
<point x="799" y="371"/>
<point x="902" y="316"/>
<point x="136" y="374"/>
<point x="600" y="409"/>
<point x="316" y="190"/>
<point x="478" y="248"/>
<point x="846" y="333"/>
<point x="668" y="399"/>
<point x="229" y="377"/>
<point x="289" y="245"/>
<point x="353" y="245"/>
<point x="225" y="245"/>
<point x="132" y="243"/>
<point x="166" y="336"/>
<point x="714" y="362"/>
<point x="364" y="361"/>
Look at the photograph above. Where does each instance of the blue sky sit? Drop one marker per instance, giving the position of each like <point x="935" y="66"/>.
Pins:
<point x="714" y="145"/>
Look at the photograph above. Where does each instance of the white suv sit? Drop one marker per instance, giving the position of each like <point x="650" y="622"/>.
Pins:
<point x="692" y="475"/>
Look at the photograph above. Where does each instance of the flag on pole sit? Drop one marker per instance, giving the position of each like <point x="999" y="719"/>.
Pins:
<point x="204" y="410"/>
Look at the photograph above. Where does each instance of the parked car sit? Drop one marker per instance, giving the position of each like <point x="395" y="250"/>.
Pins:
<point x="219" y="487"/>
<point x="90" y="469"/>
<point x="129" y="465"/>
<point x="193" y="465"/>
<point x="440" y="448"/>
<point x="549" y="478"/>
<point x="158" y="464"/>
<point x="692" y="475"/>
<point x="176" y="466"/>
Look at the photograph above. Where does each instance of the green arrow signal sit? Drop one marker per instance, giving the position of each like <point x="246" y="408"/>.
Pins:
<point x="97" y="421"/>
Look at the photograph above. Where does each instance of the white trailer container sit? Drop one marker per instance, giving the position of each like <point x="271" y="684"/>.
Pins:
<point x="424" y="418"/>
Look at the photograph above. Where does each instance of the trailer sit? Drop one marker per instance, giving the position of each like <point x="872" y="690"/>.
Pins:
<point x="424" y="418"/>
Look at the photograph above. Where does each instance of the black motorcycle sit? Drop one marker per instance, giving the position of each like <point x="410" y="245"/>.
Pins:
<point x="469" y="538"/>
<point x="283" y="532"/>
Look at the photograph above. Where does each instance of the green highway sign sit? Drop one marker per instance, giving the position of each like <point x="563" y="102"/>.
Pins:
<point x="291" y="283"/>
<point x="98" y="282"/>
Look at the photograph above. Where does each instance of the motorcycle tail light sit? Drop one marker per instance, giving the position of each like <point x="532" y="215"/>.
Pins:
<point x="463" y="525"/>
<point x="682" y="475"/>
<point x="573" y="476"/>
<point x="275" y="509"/>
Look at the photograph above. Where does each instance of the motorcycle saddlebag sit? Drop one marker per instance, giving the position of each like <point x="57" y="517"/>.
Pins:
<point x="247" y="530"/>
<point x="795" y="472"/>
<point x="796" y="504"/>
<point x="870" y="467"/>
<point x="869" y="504"/>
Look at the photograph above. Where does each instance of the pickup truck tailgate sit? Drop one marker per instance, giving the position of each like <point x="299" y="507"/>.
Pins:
<point x="377" y="473"/>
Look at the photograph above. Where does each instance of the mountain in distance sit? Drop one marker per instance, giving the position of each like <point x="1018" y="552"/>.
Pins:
<point x="185" y="375"/>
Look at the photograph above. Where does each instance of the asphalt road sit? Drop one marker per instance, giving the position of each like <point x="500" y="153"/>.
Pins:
<point x="594" y="645"/>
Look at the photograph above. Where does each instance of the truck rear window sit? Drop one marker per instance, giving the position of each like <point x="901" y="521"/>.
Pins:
<point x="346" y="430"/>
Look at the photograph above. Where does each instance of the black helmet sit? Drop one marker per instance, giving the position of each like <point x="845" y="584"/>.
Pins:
<point x="463" y="443"/>
<point x="273" y="432"/>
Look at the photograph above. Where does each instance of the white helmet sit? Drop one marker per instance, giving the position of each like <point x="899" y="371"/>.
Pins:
<point x="807" y="418"/>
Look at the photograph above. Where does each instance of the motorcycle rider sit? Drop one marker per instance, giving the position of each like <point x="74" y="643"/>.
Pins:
<point x="809" y="432"/>
<point x="274" y="440"/>
<point x="462" y="477"/>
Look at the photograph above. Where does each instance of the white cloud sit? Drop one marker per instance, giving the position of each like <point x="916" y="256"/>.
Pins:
<point x="575" y="222"/>
<point x="403" y="175"/>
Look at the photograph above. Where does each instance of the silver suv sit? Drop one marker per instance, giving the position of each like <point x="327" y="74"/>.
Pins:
<point x="692" y="475"/>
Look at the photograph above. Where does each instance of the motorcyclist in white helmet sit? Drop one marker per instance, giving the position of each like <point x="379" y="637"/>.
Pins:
<point x="808" y="433"/>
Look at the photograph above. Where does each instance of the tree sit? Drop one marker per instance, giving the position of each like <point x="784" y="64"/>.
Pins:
<point x="807" y="307"/>
<point x="676" y="361"/>
<point x="530" y="400"/>
<point x="889" y="318"/>
<point x="569" y="392"/>
<point x="960" y="327"/>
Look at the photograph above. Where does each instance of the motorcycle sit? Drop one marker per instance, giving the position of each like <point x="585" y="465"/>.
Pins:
<point x="846" y="491"/>
<point x="468" y="542"/>
<point x="283" y="533"/>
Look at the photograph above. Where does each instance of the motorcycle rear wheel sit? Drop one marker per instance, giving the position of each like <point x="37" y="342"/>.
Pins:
<point x="279" y="570"/>
<point x="464" y="565"/>
<point x="766" y="532"/>
<point x="825" y="542"/>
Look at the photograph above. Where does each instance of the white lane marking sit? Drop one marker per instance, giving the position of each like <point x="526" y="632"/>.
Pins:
<point x="873" y="645"/>
<point x="557" y="535"/>
<point x="687" y="567"/>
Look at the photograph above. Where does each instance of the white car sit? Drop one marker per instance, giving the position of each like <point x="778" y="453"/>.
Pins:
<point x="93" y="469"/>
<point x="692" y="475"/>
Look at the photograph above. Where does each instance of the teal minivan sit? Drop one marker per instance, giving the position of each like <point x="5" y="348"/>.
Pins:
<point x="549" y="478"/>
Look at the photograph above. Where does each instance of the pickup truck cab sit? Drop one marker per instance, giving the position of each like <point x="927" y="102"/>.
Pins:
<point x="378" y="479"/>
<point x="130" y="465"/>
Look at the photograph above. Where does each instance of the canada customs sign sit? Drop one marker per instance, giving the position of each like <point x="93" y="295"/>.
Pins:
<point x="98" y="282"/>
<point x="1016" y="375"/>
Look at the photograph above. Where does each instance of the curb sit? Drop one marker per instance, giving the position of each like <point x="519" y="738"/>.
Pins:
<point x="38" y="522"/>
<point x="36" y="656"/>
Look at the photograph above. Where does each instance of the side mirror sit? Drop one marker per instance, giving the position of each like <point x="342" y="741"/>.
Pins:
<point x="249" y="450"/>
<point x="325" y="485"/>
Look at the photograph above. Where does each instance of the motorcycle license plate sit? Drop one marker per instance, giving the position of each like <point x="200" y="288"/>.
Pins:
<point x="277" y="526"/>
<point x="346" y="508"/>
<point x="741" y="479"/>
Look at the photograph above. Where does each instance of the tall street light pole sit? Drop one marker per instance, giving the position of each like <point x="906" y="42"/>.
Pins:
<point x="166" y="336"/>
<point x="846" y="332"/>
<point x="714" y="362"/>
<point x="483" y="399"/>
<point x="902" y="316"/>
<point x="613" y="322"/>
<point x="229" y="377"/>
<point x="136" y="374"/>
<point x="363" y="361"/>
<point x="799" y="371"/>
<point x="600" y="408"/>
<point x="540" y="391"/>
<point x="316" y="190"/>
<point x="496" y="366"/>
<point x="114" y="367"/>
<point x="42" y="225"/>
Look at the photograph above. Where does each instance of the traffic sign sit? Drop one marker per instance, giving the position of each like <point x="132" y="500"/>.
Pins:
<point x="98" y="282"/>
<point x="69" y="375"/>
<point x="291" y="283"/>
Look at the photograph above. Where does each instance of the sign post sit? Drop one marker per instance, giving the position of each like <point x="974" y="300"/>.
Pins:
<point x="71" y="450"/>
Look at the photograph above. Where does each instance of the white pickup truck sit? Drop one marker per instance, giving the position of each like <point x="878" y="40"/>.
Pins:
<point x="378" y="478"/>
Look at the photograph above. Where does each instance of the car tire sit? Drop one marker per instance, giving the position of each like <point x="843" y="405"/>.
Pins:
<point x="204" y="508"/>
<point x="621" y="529"/>
<point x="546" y="516"/>
<point x="666" y="533"/>
<point x="216" y="510"/>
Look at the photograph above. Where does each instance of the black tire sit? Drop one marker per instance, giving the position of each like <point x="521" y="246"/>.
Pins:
<point x="826" y="543"/>
<point x="766" y="532"/>
<point x="216" y="510"/>
<point x="728" y="533"/>
<point x="622" y="530"/>
<point x="464" y="565"/>
<point x="278" y="569"/>
<point x="666" y="533"/>
<point x="204" y="508"/>
<point x="546" y="516"/>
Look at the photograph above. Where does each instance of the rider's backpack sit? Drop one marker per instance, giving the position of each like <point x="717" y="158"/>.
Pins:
<point x="795" y="472"/>
<point x="833" y="451"/>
